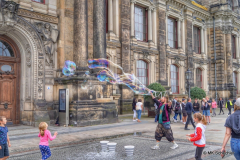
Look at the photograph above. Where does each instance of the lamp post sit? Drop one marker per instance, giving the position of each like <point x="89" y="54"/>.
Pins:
<point x="188" y="75"/>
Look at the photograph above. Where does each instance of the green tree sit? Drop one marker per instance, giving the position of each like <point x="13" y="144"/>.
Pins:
<point x="155" y="87"/>
<point x="198" y="93"/>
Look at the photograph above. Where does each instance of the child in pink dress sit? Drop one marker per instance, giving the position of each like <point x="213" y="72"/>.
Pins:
<point x="44" y="135"/>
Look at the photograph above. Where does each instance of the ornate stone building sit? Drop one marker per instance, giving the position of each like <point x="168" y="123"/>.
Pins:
<point x="157" y="40"/>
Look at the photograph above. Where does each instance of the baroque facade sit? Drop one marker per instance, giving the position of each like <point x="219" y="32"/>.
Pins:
<point x="157" y="40"/>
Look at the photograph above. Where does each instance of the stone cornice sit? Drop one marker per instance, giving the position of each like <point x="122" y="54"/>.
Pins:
<point x="38" y="16"/>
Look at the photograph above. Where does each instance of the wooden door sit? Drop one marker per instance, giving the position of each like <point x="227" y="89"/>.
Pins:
<point x="9" y="80"/>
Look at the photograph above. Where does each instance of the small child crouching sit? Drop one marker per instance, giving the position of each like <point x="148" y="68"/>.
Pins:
<point x="4" y="139"/>
<point x="44" y="135"/>
<point x="199" y="135"/>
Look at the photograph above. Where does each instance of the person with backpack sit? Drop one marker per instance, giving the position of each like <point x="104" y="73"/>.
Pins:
<point x="220" y="104"/>
<point x="134" y="109"/>
<point x="184" y="112"/>
<point x="229" y="106"/>
<point x="178" y="111"/>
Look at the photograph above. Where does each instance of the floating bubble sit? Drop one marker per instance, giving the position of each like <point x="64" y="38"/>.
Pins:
<point x="69" y="68"/>
<point x="67" y="72"/>
<point x="110" y="76"/>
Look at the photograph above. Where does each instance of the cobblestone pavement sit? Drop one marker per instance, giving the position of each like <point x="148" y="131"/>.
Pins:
<point x="24" y="139"/>
<point x="142" y="151"/>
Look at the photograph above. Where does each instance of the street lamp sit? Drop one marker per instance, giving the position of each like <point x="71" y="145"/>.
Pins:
<point x="188" y="75"/>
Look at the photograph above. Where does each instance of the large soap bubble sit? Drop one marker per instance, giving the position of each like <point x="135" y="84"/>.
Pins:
<point x="69" y="68"/>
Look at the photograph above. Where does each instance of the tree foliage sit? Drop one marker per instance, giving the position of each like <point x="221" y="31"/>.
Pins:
<point x="155" y="87"/>
<point x="198" y="93"/>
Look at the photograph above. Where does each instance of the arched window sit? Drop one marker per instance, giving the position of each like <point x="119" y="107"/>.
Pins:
<point x="235" y="80"/>
<point x="5" y="49"/>
<point x="174" y="78"/>
<point x="199" y="77"/>
<point x="142" y="72"/>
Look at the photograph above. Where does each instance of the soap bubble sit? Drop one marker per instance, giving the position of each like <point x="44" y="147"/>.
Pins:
<point x="67" y="71"/>
<point x="69" y="68"/>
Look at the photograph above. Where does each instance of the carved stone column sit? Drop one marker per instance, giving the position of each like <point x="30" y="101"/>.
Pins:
<point x="179" y="32"/>
<point x="149" y="25"/>
<point x="80" y="48"/>
<point x="99" y="29"/>
<point x="202" y="40"/>
<point x="110" y="15"/>
<point x="162" y="41"/>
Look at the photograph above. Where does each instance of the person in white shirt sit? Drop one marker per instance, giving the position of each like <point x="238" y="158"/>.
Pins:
<point x="139" y="107"/>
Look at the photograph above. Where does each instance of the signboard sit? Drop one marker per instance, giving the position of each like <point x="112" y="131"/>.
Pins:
<point x="174" y="9"/>
<point x="199" y="5"/>
<point x="199" y="19"/>
<point x="62" y="100"/>
<point x="64" y="106"/>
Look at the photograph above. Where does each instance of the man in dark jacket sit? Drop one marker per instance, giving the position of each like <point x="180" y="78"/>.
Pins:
<point x="196" y="106"/>
<point x="189" y="109"/>
<point x="220" y="104"/>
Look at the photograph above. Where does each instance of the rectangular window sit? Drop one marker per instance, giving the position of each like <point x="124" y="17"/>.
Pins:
<point x="172" y="33"/>
<point x="233" y="47"/>
<point x="197" y="40"/>
<point x="39" y="1"/>
<point x="140" y="15"/>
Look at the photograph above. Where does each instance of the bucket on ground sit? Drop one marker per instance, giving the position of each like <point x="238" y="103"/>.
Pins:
<point x="104" y="145"/>
<point x="129" y="150"/>
<point x="111" y="146"/>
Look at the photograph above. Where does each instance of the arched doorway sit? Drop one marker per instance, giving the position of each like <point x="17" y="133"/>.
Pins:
<point x="9" y="80"/>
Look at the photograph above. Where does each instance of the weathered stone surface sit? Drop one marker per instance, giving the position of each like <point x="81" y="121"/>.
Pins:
<point x="99" y="29"/>
<point x="80" y="32"/>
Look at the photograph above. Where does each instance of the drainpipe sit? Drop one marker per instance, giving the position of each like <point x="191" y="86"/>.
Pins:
<point x="215" y="63"/>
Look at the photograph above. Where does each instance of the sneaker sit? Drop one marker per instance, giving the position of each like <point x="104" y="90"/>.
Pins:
<point x="186" y="128"/>
<point x="175" y="121"/>
<point x="134" y="120"/>
<point x="174" y="146"/>
<point x="219" y="114"/>
<point x="155" y="147"/>
<point x="181" y="121"/>
<point x="184" y="122"/>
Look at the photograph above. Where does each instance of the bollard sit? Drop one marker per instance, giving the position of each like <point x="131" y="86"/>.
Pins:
<point x="129" y="150"/>
<point x="104" y="145"/>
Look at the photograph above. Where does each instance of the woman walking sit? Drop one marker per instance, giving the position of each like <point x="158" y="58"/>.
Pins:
<point x="134" y="109"/>
<point x="139" y="108"/>
<point x="178" y="111"/>
<point x="220" y="104"/>
<point x="184" y="112"/>
<point x="214" y="106"/>
<point x="233" y="130"/>
<point x="163" y="128"/>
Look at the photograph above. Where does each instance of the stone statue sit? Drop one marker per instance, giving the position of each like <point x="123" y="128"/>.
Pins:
<point x="49" y="36"/>
<point x="8" y="8"/>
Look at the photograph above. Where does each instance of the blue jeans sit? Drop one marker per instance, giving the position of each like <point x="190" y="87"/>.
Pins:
<point x="176" y="114"/>
<point x="156" y="118"/>
<point x="235" y="146"/>
<point x="139" y="112"/>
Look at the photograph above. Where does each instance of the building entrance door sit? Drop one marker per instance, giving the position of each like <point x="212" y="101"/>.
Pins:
<point x="9" y="80"/>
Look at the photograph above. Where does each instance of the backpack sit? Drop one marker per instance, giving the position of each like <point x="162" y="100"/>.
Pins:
<point x="178" y="107"/>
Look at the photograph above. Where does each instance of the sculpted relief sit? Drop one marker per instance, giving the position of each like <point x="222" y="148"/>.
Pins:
<point x="49" y="37"/>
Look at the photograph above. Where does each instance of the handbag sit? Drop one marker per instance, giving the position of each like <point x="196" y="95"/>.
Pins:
<point x="166" y="126"/>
